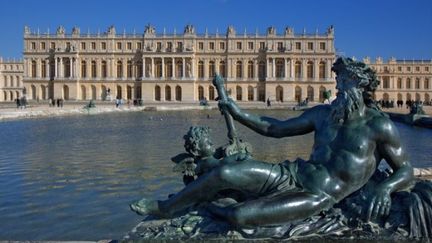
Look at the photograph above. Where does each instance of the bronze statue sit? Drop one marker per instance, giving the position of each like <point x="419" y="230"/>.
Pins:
<point x="352" y="137"/>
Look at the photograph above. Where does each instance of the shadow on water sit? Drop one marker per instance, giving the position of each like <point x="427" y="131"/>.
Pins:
<point x="73" y="178"/>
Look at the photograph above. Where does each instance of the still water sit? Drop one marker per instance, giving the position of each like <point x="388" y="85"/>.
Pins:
<point x="73" y="178"/>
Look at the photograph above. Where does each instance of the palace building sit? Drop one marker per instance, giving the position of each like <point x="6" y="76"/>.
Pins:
<point x="161" y="67"/>
<point x="178" y="67"/>
<point x="11" y="75"/>
<point x="403" y="80"/>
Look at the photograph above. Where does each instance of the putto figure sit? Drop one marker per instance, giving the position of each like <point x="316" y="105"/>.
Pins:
<point x="352" y="137"/>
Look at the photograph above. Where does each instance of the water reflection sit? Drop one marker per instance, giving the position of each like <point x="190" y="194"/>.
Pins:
<point x="73" y="178"/>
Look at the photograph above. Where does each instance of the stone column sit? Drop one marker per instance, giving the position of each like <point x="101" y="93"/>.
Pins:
<point x="163" y="67"/>
<point x="287" y="70"/>
<point x="124" y="69"/>
<point x="173" y="68"/>
<point x="255" y="76"/>
<point x="47" y="65"/>
<point x="193" y="67"/>
<point x="38" y="68"/>
<point x="61" y="68"/>
<point x="56" y="67"/>
<point x="152" y="68"/>
<point x="98" y="68"/>
<point x="273" y="67"/>
<point x="316" y="70"/>
<point x="70" y="67"/>
<point x="268" y="72"/>
<point x="143" y="68"/>
<point x="291" y="69"/>
<point x="183" y="68"/>
<point x="303" y="70"/>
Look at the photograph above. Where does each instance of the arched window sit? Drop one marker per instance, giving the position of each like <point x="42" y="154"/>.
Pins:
<point x="83" y="92"/>
<point x="200" y="93"/>
<point x="33" y="69"/>
<point x="93" y="92"/>
<point x="67" y="66"/>
<point x="322" y="70"/>
<point x="158" y="70"/>
<point x="297" y="69"/>
<point x="104" y="69"/>
<point x="399" y="84"/>
<point x="119" y="69"/>
<point x="417" y="83"/>
<point x="178" y="93"/>
<point x="43" y="92"/>
<point x="279" y="94"/>
<point x="200" y="69"/>
<point x="250" y="93"/>
<point x="261" y="70"/>
<point x="408" y="96"/>
<point x="119" y="92"/>
<point x="298" y="94"/>
<point x="279" y="68"/>
<point x="426" y="83"/>
<point x="408" y="83"/>
<point x="322" y="91"/>
<point x="211" y="93"/>
<point x="139" y="68"/>
<point x="83" y="69"/>
<point x="43" y="69"/>
<point x="310" y="93"/>
<point x="157" y="95"/>
<point x="399" y="96"/>
<point x="239" y="69"/>
<point x="104" y="92"/>
<point x="129" y="69"/>
<point x="168" y="69"/>
<point x="250" y="69"/>
<point x="129" y="92"/>
<point x="179" y="69"/>
<point x="239" y="91"/>
<point x="386" y="97"/>
<point x="417" y="97"/>
<point x="222" y="69"/>
<point x="93" y="69"/>
<point x="310" y="69"/>
<point x="212" y="69"/>
<point x="167" y="93"/>
<point x="65" y="92"/>
<point x="427" y="98"/>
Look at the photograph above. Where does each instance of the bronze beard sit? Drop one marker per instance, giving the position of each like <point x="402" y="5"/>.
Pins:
<point x="345" y="103"/>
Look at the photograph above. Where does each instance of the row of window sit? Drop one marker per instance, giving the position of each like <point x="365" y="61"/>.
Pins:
<point x="179" y="45"/>
<point x="12" y="81"/>
<point x="406" y="68"/>
<point x="135" y="69"/>
<point x="11" y="67"/>
<point x="409" y="84"/>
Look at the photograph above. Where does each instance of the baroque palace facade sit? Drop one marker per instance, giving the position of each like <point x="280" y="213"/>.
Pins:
<point x="177" y="67"/>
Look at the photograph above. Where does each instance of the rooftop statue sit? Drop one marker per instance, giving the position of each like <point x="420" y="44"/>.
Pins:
<point x="189" y="29"/>
<point x="338" y="185"/>
<point x="61" y="30"/>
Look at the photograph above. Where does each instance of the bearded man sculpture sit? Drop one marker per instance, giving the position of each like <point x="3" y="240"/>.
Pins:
<point x="352" y="136"/>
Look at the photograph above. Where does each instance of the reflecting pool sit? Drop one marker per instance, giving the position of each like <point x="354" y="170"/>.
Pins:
<point x="72" y="178"/>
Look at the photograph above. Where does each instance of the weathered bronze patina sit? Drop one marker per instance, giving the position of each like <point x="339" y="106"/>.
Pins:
<point x="352" y="137"/>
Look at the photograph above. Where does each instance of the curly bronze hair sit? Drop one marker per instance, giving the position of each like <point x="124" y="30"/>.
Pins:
<point x="193" y="137"/>
<point x="366" y="77"/>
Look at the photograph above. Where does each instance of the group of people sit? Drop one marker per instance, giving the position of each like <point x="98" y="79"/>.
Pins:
<point x="400" y="103"/>
<point x="54" y="102"/>
<point x="21" y="103"/>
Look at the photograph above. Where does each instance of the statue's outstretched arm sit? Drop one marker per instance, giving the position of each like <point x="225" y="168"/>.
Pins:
<point x="390" y="149"/>
<point x="271" y="127"/>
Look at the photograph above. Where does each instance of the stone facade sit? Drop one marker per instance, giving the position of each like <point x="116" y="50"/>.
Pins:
<point x="178" y="67"/>
<point x="11" y="79"/>
<point x="403" y="79"/>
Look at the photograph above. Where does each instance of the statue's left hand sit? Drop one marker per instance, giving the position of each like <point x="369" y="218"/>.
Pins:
<point x="380" y="204"/>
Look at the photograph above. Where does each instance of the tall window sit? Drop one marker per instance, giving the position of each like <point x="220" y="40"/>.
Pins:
<point x="119" y="69"/>
<point x="211" y="46"/>
<point x="83" y="69"/>
<point x="139" y="68"/>
<point x="399" y="83"/>
<point x="279" y="68"/>
<point x="119" y="45"/>
<point x="43" y="69"/>
<point x="417" y="83"/>
<point x="129" y="69"/>
<point x="33" y="69"/>
<point x="250" y="70"/>
<point x="297" y="69"/>
<point x="179" y="68"/>
<point x="239" y="45"/>
<point x="322" y="46"/>
<point x="322" y="67"/>
<point x="222" y="45"/>
<point x="201" y="45"/>
<point x="93" y="69"/>
<point x="212" y="69"/>
<point x="158" y="68"/>
<point x="310" y="69"/>
<point x="408" y="83"/>
<point x="239" y="69"/>
<point x="310" y="46"/>
<point x="103" y="46"/>
<point x="67" y="70"/>
<point x="104" y="69"/>
<point x="200" y="69"/>
<point x="386" y="83"/>
<point x="168" y="69"/>
<point x="222" y="69"/>
<point x="250" y="45"/>
<point x="261" y="70"/>
<point x="426" y="84"/>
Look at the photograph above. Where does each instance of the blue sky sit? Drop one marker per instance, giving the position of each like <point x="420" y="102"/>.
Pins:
<point x="386" y="28"/>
